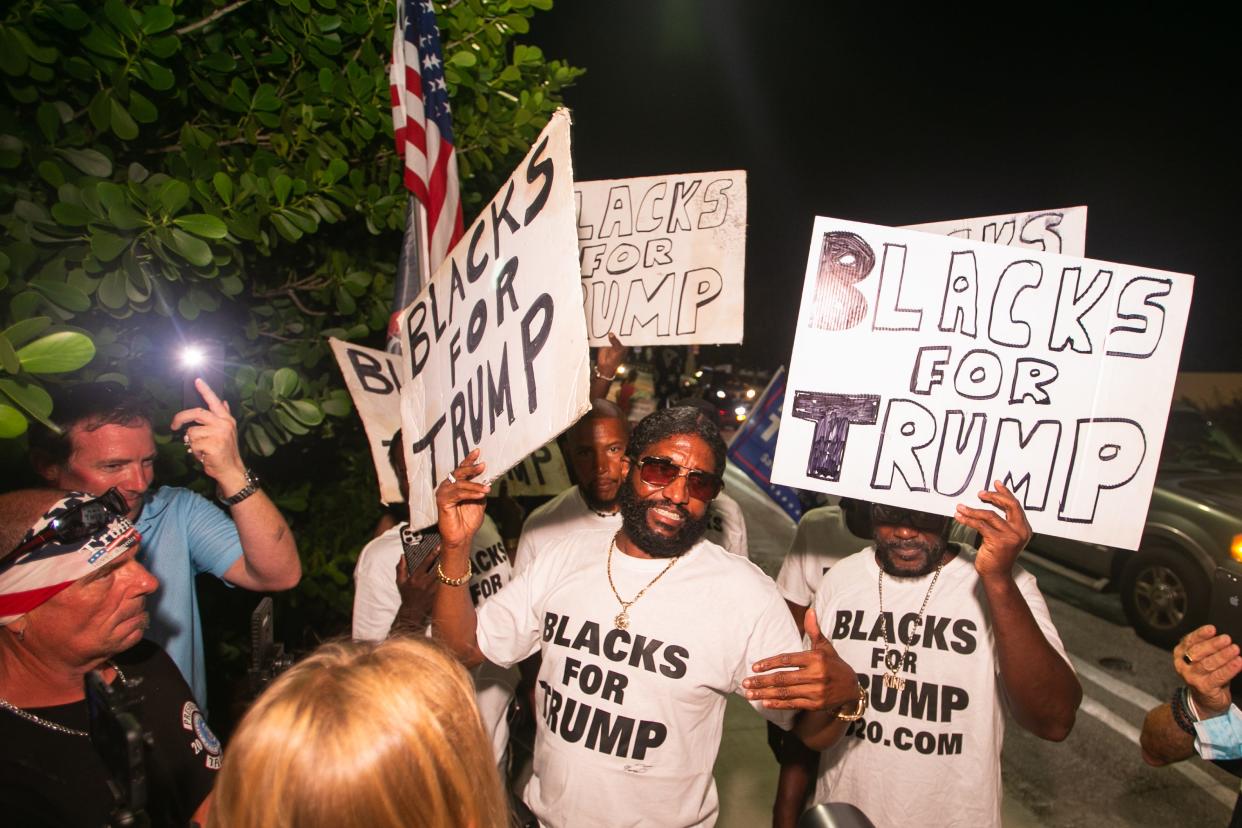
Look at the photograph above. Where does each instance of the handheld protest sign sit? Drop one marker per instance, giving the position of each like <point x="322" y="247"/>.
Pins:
<point x="372" y="379"/>
<point x="663" y="258"/>
<point x="1053" y="231"/>
<point x="925" y="367"/>
<point x="494" y="348"/>
<point x="542" y="472"/>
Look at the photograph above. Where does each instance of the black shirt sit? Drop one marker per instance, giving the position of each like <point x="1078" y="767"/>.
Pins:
<point x="53" y="778"/>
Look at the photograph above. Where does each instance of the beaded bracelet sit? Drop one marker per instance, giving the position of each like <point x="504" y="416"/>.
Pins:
<point x="1181" y="716"/>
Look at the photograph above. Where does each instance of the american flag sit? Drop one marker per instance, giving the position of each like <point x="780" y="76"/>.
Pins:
<point x="423" y="125"/>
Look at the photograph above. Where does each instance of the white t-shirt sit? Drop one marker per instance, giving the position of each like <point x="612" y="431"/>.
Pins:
<point x="376" y="601"/>
<point x="568" y="512"/>
<point x="938" y="741"/>
<point x="822" y="539"/>
<point x="629" y="721"/>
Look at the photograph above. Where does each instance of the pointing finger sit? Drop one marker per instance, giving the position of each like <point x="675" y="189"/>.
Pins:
<point x="209" y="397"/>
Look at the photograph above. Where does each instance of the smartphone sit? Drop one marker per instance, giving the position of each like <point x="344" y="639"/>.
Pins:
<point x="1226" y="612"/>
<point x="416" y="546"/>
<point x="120" y="741"/>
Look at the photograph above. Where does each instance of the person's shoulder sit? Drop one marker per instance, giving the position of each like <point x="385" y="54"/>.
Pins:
<point x="548" y="512"/>
<point x="726" y="502"/>
<point x="145" y="656"/>
<point x="579" y="541"/>
<point x="380" y="549"/>
<point x="822" y="514"/>
<point x="851" y="566"/>
<point x="724" y="561"/>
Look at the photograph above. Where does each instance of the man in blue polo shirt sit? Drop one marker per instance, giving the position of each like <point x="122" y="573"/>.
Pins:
<point x="106" y="441"/>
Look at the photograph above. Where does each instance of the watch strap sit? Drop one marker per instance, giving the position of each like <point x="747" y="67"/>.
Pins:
<point x="252" y="486"/>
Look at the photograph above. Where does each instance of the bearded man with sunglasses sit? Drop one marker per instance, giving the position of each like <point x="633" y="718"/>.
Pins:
<point x="643" y="632"/>
<point x="72" y="600"/>
<point x="106" y="440"/>
<point x="945" y="640"/>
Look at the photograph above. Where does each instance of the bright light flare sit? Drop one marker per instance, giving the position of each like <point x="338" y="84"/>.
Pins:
<point x="193" y="356"/>
<point x="720" y="394"/>
<point x="740" y="410"/>
<point x="750" y="393"/>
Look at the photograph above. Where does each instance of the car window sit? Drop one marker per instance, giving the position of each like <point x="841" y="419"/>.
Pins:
<point x="1193" y="441"/>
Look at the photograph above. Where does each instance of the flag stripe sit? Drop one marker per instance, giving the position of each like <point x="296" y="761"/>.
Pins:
<point x="423" y="125"/>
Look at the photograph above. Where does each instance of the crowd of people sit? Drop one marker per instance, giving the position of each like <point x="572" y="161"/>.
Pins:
<point x="892" y="646"/>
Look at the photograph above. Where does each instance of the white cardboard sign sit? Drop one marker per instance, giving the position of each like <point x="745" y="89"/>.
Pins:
<point x="372" y="379"/>
<point x="1053" y="231"/>
<point x="924" y="367"/>
<point x="663" y="258"/>
<point x="542" y="472"/>
<point x="494" y="348"/>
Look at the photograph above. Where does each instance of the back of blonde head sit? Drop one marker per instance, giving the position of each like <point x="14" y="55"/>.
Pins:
<point x="362" y="734"/>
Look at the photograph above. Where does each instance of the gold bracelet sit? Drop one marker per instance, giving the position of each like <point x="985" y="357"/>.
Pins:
<point x="860" y="707"/>
<point x="462" y="581"/>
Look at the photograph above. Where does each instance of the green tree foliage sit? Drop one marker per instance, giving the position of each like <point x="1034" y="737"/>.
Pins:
<point x="180" y="170"/>
<point x="193" y="169"/>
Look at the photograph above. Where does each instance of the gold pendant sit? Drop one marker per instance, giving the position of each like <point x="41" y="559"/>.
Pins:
<point x="894" y="682"/>
<point x="622" y="620"/>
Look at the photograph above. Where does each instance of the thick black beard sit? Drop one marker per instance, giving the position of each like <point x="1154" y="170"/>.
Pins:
<point x="934" y="551"/>
<point x="634" y="522"/>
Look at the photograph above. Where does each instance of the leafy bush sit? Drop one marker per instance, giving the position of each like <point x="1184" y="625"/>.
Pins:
<point x="223" y="170"/>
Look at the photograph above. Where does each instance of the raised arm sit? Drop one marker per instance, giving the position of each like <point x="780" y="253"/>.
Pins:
<point x="1043" y="691"/>
<point x="269" y="560"/>
<point x="607" y="360"/>
<point x="460" y="502"/>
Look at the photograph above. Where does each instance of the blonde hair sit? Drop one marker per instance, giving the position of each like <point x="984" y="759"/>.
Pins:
<point x="363" y="734"/>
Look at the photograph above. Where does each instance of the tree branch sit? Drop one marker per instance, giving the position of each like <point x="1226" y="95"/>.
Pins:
<point x="211" y="18"/>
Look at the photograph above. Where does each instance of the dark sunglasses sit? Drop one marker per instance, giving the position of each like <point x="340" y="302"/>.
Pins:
<point x="897" y="516"/>
<point x="661" y="472"/>
<point x="78" y="522"/>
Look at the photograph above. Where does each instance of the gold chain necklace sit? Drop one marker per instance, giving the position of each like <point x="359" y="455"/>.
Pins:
<point x="59" y="728"/>
<point x="623" y="617"/>
<point x="891" y="679"/>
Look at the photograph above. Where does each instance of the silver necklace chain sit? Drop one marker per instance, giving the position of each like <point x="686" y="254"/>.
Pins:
<point x="59" y="728"/>
<point x="891" y="679"/>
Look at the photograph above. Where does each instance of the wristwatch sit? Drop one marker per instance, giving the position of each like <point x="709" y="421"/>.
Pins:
<point x="252" y="486"/>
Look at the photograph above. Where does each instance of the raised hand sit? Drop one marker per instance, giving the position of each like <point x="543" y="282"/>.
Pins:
<point x="819" y="678"/>
<point x="212" y="439"/>
<point x="1207" y="663"/>
<point x="460" y="502"/>
<point x="1002" y="537"/>
<point x="609" y="358"/>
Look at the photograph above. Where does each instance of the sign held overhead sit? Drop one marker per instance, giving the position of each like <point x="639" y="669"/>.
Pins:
<point x="663" y="258"/>
<point x="925" y="367"/>
<point x="494" y="347"/>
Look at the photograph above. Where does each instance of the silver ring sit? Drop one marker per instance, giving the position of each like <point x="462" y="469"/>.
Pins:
<point x="451" y="479"/>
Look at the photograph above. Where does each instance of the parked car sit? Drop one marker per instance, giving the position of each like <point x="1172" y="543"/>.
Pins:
<point x="1193" y="526"/>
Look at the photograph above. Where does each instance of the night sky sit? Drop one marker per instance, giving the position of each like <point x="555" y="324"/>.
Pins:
<point x="882" y="114"/>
